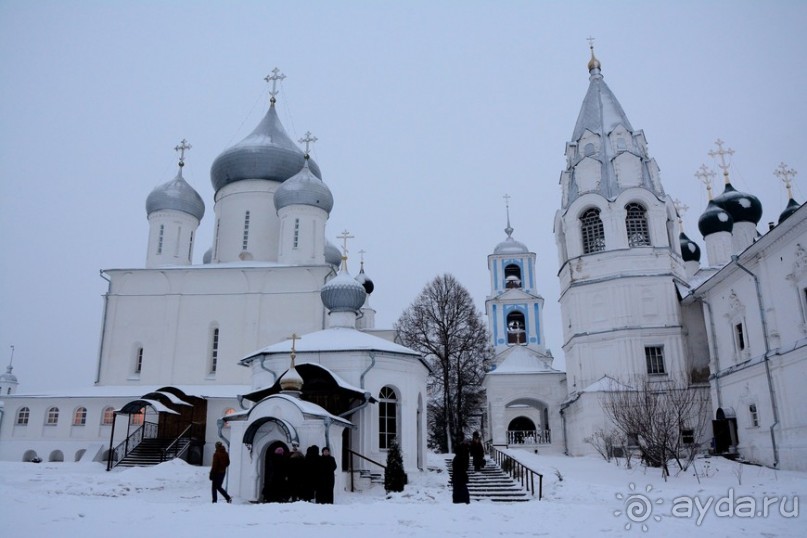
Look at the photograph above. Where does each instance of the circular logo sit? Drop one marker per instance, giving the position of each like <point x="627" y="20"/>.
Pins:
<point x="638" y="507"/>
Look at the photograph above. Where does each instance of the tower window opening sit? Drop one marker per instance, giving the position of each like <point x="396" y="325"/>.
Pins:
<point x="654" y="355"/>
<point x="160" y="239"/>
<point x="512" y="276"/>
<point x="636" y="226"/>
<point x="245" y="240"/>
<point x="296" y="241"/>
<point x="592" y="231"/>
<point x="214" y="350"/>
<point x="516" y="329"/>
<point x="739" y="336"/>
<point x="190" y="247"/>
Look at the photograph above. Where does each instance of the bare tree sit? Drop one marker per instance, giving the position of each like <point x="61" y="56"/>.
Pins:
<point x="664" y="418"/>
<point x="444" y="325"/>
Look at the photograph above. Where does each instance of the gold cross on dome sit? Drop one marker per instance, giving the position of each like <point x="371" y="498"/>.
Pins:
<point x="705" y="174"/>
<point x="293" y="339"/>
<point x="344" y="236"/>
<point x="722" y="154"/>
<point x="182" y="148"/>
<point x="274" y="78"/>
<point x="786" y="175"/>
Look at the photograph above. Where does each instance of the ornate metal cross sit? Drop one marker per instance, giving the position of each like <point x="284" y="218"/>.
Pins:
<point x="308" y="139"/>
<point x="182" y="148"/>
<point x="722" y="154"/>
<point x="705" y="174"/>
<point x="786" y="175"/>
<point x="274" y="78"/>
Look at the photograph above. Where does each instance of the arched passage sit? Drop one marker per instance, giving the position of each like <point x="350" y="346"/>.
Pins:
<point x="528" y="422"/>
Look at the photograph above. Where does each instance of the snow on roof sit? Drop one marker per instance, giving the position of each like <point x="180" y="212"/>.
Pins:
<point x="307" y="408"/>
<point x="136" y="391"/>
<point x="523" y="360"/>
<point x="160" y="408"/>
<point x="336" y="339"/>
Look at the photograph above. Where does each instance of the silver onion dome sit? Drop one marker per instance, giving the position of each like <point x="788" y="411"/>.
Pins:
<point x="332" y="255"/>
<point x="714" y="219"/>
<point x="178" y="195"/>
<point x="511" y="246"/>
<point x="343" y="294"/>
<point x="267" y="153"/>
<point x="304" y="188"/>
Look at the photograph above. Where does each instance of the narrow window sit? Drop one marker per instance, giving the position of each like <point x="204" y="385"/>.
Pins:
<point x="190" y="247"/>
<point x="160" y="239"/>
<point x="108" y="416"/>
<point x="52" y="416"/>
<point x="296" y="233"/>
<point x="138" y="366"/>
<point x="214" y="350"/>
<point x="80" y="417"/>
<point x="592" y="231"/>
<point x="655" y="359"/>
<point x="636" y="226"/>
<point x="387" y="417"/>
<point x="216" y="243"/>
<point x="245" y="241"/>
<point x="176" y="245"/>
<point x="739" y="336"/>
<point x="23" y="415"/>
<point x="752" y="409"/>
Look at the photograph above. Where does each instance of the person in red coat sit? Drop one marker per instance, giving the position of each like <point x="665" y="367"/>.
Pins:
<point x="221" y="460"/>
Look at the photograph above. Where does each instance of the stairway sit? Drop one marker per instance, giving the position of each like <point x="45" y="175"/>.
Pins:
<point x="149" y="452"/>
<point x="493" y="484"/>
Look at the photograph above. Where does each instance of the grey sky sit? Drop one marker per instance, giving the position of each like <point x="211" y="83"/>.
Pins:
<point x="427" y="113"/>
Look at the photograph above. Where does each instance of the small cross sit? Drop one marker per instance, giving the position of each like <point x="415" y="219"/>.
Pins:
<point x="786" y="175"/>
<point x="590" y="42"/>
<point x="308" y="139"/>
<point x="680" y="208"/>
<point x="705" y="175"/>
<point x="722" y="154"/>
<point x="12" y="356"/>
<point x="344" y="236"/>
<point x="362" y="252"/>
<point x="181" y="148"/>
<point x="509" y="229"/>
<point x="273" y="78"/>
<point x="293" y="339"/>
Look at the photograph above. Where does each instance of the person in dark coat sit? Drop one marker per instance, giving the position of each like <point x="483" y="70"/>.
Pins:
<point x="221" y="460"/>
<point x="477" y="452"/>
<point x="276" y="483"/>
<point x="325" y="477"/>
<point x="309" y="475"/>
<point x="459" y="475"/>
<point x="296" y="469"/>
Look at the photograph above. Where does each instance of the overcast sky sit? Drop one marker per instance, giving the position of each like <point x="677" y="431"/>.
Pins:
<point x="427" y="114"/>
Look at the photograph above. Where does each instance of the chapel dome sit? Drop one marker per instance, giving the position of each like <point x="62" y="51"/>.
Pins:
<point x="365" y="281"/>
<point x="511" y="246"/>
<point x="690" y="251"/>
<point x="714" y="219"/>
<point x="177" y="195"/>
<point x="792" y="206"/>
<point x="304" y="188"/>
<point x="343" y="294"/>
<point x="267" y="153"/>
<point x="741" y="206"/>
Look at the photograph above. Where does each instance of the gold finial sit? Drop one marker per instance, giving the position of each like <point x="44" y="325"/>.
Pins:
<point x="786" y="175"/>
<point x="705" y="174"/>
<point x="593" y="63"/>
<point x="722" y="154"/>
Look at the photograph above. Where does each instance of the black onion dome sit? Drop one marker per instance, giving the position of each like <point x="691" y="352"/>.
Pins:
<point x="741" y="206"/>
<point x="304" y="188"/>
<point x="714" y="220"/>
<point x="792" y="207"/>
<point x="365" y="281"/>
<point x="690" y="251"/>
<point x="177" y="195"/>
<point x="267" y="153"/>
<point x="343" y="294"/>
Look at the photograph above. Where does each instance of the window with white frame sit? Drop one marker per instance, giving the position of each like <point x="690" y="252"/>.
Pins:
<point x="52" y="416"/>
<point x="654" y="355"/>
<point x="636" y="225"/>
<point x="80" y="416"/>
<point x="108" y="416"/>
<point x="592" y="231"/>
<point x="752" y="410"/>
<point x="387" y="417"/>
<point x="23" y="415"/>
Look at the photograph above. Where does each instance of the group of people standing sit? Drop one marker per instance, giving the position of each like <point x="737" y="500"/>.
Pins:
<point x="296" y="477"/>
<point x="464" y="454"/>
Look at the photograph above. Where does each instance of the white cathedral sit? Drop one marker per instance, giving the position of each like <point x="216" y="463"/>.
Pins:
<point x="271" y="341"/>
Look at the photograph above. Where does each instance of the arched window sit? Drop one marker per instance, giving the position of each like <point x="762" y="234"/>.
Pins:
<point x="52" y="417"/>
<point x="636" y="225"/>
<point x="512" y="276"/>
<point x="516" y="328"/>
<point x="80" y="416"/>
<point x="592" y="231"/>
<point x="108" y="416"/>
<point x="387" y="417"/>
<point x="23" y="415"/>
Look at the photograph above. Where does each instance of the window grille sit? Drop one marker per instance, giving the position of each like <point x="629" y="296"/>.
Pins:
<point x="636" y="226"/>
<point x="655" y="359"/>
<point x="592" y="231"/>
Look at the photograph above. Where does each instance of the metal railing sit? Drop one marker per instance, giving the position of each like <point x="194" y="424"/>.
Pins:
<point x="528" y="437"/>
<point x="147" y="431"/>
<point x="518" y="471"/>
<point x="177" y="449"/>
<point x="353" y="471"/>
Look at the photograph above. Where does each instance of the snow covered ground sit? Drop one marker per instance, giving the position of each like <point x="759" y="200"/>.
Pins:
<point x="593" y="498"/>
